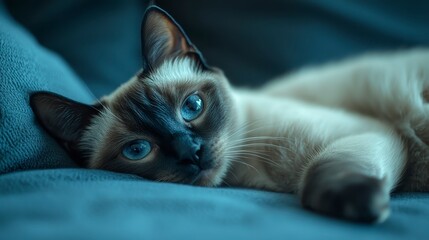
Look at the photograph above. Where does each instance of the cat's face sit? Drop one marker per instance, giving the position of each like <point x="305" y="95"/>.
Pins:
<point x="172" y="122"/>
<point x="171" y="125"/>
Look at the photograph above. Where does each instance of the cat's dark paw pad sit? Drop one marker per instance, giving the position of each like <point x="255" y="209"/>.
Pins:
<point x="355" y="197"/>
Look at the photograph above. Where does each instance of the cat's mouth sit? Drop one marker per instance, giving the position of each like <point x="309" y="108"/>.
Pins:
<point x="214" y="175"/>
<point x="206" y="177"/>
<point x="209" y="168"/>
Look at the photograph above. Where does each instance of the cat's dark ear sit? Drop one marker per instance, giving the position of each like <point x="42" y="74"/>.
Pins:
<point x="61" y="117"/>
<point x="163" y="38"/>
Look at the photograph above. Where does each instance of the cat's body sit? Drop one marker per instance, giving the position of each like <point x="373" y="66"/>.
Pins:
<point x="390" y="87"/>
<point x="379" y="93"/>
<point x="340" y="136"/>
<point x="286" y="136"/>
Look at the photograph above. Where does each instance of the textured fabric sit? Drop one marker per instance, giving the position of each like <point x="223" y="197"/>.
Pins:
<point x="26" y="67"/>
<point x="99" y="40"/>
<point x="90" y="204"/>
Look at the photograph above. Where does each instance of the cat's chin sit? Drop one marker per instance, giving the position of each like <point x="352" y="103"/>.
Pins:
<point x="211" y="177"/>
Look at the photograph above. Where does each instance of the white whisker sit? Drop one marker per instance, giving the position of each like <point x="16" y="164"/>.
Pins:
<point x="257" y="157"/>
<point x="246" y="164"/>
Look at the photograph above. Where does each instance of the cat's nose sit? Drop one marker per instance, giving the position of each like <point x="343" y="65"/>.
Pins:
<point x="192" y="159"/>
<point x="189" y="150"/>
<point x="191" y="156"/>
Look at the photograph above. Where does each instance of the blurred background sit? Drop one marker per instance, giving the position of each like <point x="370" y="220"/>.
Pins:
<point x="251" y="40"/>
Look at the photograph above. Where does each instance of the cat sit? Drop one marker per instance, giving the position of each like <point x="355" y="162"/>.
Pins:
<point x="342" y="136"/>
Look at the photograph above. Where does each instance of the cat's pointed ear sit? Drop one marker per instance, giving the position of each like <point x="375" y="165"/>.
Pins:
<point x="61" y="117"/>
<point x="163" y="38"/>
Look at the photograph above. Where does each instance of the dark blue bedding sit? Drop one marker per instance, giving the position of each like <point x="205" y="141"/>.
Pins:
<point x="79" y="48"/>
<point x="93" y="204"/>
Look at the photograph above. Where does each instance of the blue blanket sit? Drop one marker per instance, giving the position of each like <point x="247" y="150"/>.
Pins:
<point x="76" y="203"/>
<point x="44" y="196"/>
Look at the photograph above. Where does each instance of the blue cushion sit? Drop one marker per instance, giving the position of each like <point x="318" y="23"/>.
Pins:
<point x="25" y="67"/>
<point x="101" y="42"/>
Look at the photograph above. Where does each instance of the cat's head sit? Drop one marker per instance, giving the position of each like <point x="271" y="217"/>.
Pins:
<point x="171" y="122"/>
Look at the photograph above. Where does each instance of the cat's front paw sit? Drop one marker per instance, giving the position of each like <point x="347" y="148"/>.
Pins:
<point x="354" y="197"/>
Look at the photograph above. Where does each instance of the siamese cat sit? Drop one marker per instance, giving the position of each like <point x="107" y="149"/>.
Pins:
<point x="341" y="136"/>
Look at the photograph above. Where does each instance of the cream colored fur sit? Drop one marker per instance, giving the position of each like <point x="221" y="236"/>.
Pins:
<point x="289" y="135"/>
<point x="374" y="98"/>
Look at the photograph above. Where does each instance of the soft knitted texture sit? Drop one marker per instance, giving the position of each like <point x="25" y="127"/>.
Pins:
<point x="99" y="40"/>
<point x="25" y="67"/>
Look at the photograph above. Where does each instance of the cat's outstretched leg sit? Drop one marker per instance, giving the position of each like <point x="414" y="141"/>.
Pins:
<point x="352" y="178"/>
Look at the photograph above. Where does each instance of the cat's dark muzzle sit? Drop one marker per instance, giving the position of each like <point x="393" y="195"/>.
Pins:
<point x="194" y="166"/>
<point x="191" y="152"/>
<point x="196" y="169"/>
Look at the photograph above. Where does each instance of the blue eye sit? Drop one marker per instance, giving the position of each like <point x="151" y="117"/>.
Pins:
<point x="136" y="150"/>
<point x="192" y="107"/>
